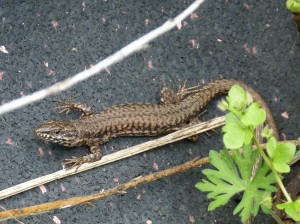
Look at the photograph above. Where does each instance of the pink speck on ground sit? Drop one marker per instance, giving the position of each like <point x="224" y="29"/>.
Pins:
<point x="49" y="152"/>
<point x="194" y="15"/>
<point x="254" y="50"/>
<point x="54" y="23"/>
<point x="46" y="64"/>
<point x="285" y="115"/>
<point x="148" y="222"/>
<point x="29" y="85"/>
<point x="62" y="186"/>
<point x="155" y="166"/>
<point x="247" y="6"/>
<point x="9" y="141"/>
<point x="107" y="70"/>
<point x="1" y="75"/>
<point x="50" y="72"/>
<point x="43" y="189"/>
<point x="184" y="23"/>
<point x="194" y="43"/>
<point x="275" y="99"/>
<point x="103" y="19"/>
<point x="3" y="49"/>
<point x="150" y="65"/>
<point x="246" y="48"/>
<point x="147" y="21"/>
<point x="22" y="93"/>
<point x="116" y="180"/>
<point x="92" y="65"/>
<point x="138" y="196"/>
<point x="179" y="25"/>
<point x="41" y="151"/>
<point x="83" y="5"/>
<point x="192" y="219"/>
<point x="56" y="220"/>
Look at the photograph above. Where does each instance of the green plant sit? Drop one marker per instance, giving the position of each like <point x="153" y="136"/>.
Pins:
<point x="234" y="172"/>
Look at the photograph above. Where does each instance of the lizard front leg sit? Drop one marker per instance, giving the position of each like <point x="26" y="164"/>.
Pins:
<point x="95" y="155"/>
<point x="68" y="105"/>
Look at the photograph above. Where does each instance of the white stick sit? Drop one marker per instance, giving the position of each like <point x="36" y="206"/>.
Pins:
<point x="133" y="47"/>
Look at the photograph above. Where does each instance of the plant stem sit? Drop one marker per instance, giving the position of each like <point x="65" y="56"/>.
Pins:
<point x="269" y="163"/>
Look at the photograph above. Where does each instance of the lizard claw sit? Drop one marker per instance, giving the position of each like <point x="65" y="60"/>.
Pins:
<point x="67" y="105"/>
<point x="76" y="161"/>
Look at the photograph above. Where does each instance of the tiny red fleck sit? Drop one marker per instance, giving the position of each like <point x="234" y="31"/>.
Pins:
<point x="150" y="65"/>
<point x="103" y="19"/>
<point x="9" y="141"/>
<point x="54" y="23"/>
<point x="275" y="99"/>
<point x="29" y="85"/>
<point x="254" y="51"/>
<point x="192" y="219"/>
<point x="1" y="75"/>
<point x="62" y="186"/>
<point x="56" y="220"/>
<point x="285" y="115"/>
<point x="179" y="25"/>
<point x="194" y="15"/>
<point x="138" y="196"/>
<point x="41" y="151"/>
<point x="247" y="6"/>
<point x="43" y="189"/>
<point x="147" y="21"/>
<point x="46" y="64"/>
<point x="193" y="42"/>
<point x="116" y="180"/>
<point x="155" y="166"/>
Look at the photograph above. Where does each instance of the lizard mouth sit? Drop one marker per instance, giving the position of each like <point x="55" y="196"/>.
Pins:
<point x="62" y="140"/>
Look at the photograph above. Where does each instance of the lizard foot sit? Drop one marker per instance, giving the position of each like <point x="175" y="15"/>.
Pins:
<point x="76" y="161"/>
<point x="68" y="105"/>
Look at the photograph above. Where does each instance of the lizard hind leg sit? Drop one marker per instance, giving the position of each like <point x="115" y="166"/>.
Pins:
<point x="68" y="105"/>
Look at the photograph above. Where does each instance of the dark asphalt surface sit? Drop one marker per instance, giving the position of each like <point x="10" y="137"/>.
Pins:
<point x="48" y="41"/>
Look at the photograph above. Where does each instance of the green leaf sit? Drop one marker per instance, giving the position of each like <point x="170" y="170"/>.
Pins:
<point x="292" y="208"/>
<point x="267" y="132"/>
<point x="293" y="5"/>
<point x="271" y="146"/>
<point x="237" y="97"/>
<point x="236" y="133"/>
<point x="281" y="155"/>
<point x="254" y="115"/>
<point x="233" y="175"/>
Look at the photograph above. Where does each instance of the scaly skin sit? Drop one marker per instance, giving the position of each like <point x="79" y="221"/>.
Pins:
<point x="137" y="119"/>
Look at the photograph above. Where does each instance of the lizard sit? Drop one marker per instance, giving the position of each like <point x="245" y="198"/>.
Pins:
<point x="175" y="111"/>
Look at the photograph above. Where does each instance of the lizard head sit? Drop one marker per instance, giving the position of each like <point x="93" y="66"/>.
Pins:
<point x="58" y="131"/>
